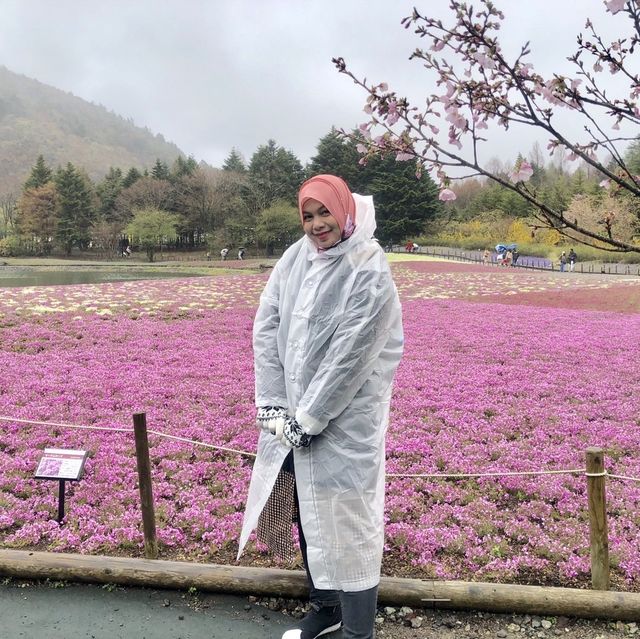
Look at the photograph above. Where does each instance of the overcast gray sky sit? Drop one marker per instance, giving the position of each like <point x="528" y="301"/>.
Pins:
<point x="215" y="74"/>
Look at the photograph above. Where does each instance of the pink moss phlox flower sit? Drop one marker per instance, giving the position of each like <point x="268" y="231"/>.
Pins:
<point x="478" y="390"/>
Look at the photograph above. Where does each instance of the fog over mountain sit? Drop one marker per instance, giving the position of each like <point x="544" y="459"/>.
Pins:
<point x="211" y="75"/>
<point x="39" y="119"/>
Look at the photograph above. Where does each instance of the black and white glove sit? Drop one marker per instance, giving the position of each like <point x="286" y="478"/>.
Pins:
<point x="268" y="417"/>
<point x="292" y="435"/>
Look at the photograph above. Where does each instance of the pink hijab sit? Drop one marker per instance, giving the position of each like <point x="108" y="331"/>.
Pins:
<point x="334" y="193"/>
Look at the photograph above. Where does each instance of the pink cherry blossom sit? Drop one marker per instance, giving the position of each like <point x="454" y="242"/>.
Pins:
<point x="525" y="69"/>
<point x="522" y="173"/>
<point x="447" y="195"/>
<point x="614" y="6"/>
<point x="456" y="118"/>
<point x="392" y="113"/>
<point x="485" y="61"/>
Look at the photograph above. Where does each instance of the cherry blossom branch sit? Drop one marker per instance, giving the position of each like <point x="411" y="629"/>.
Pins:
<point x="493" y="89"/>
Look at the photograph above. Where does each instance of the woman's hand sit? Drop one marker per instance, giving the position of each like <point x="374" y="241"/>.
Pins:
<point x="268" y="416"/>
<point x="292" y="435"/>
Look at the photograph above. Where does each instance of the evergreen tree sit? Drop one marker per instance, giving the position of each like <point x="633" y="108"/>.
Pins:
<point x="108" y="191"/>
<point x="488" y="199"/>
<point x="160" y="170"/>
<point x="75" y="212"/>
<point x="556" y="192"/>
<point x="337" y="156"/>
<point x="132" y="176"/>
<point x="275" y="174"/>
<point x="39" y="176"/>
<point x="183" y="168"/>
<point x="234" y="162"/>
<point x="404" y="203"/>
<point x="632" y="157"/>
<point x="513" y="204"/>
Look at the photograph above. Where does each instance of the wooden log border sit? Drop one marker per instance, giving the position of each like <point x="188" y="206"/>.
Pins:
<point x="273" y="582"/>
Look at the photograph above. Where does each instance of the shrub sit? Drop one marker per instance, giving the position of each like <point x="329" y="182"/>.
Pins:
<point x="10" y="247"/>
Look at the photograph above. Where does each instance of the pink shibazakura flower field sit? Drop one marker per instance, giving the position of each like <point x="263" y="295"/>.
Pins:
<point x="484" y="386"/>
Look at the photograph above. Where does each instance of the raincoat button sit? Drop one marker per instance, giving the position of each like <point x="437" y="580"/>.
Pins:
<point x="292" y="377"/>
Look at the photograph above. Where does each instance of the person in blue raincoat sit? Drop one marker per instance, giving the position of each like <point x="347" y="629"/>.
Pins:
<point x="327" y="341"/>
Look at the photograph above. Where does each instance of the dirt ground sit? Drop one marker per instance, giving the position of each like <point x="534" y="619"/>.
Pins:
<point x="408" y="623"/>
<point x="476" y="625"/>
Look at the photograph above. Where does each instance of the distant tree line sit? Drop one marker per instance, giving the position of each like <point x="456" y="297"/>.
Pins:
<point x="192" y="206"/>
<point x="189" y="206"/>
<point x="581" y="195"/>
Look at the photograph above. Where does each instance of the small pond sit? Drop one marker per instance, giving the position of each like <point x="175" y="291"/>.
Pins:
<point x="18" y="276"/>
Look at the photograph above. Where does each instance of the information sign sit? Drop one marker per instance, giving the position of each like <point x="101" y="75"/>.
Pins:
<point x="60" y="463"/>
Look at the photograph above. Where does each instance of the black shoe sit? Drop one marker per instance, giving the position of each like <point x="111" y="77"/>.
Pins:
<point x="319" y="621"/>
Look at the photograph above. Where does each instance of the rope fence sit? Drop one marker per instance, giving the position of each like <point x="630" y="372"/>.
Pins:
<point x="244" y="453"/>
<point x="127" y="430"/>
<point x="594" y="472"/>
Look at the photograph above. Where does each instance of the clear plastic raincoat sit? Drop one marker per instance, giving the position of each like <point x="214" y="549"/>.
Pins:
<point x="327" y="341"/>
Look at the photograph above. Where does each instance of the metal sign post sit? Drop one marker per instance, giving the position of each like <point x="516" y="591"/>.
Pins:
<point x="61" y="501"/>
<point x="62" y="465"/>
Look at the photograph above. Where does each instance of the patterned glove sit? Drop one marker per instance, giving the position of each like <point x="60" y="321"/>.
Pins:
<point x="268" y="416"/>
<point x="292" y="434"/>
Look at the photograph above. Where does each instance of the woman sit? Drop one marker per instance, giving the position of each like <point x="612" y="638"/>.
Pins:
<point x="327" y="341"/>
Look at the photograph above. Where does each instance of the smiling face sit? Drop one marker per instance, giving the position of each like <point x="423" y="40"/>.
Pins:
<point x="320" y="225"/>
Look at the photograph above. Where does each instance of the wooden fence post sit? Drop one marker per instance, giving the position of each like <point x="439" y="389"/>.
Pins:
<point x="144" y="482"/>
<point x="598" y="519"/>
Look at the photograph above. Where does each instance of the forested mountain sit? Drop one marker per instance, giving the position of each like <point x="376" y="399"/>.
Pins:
<point x="37" y="119"/>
